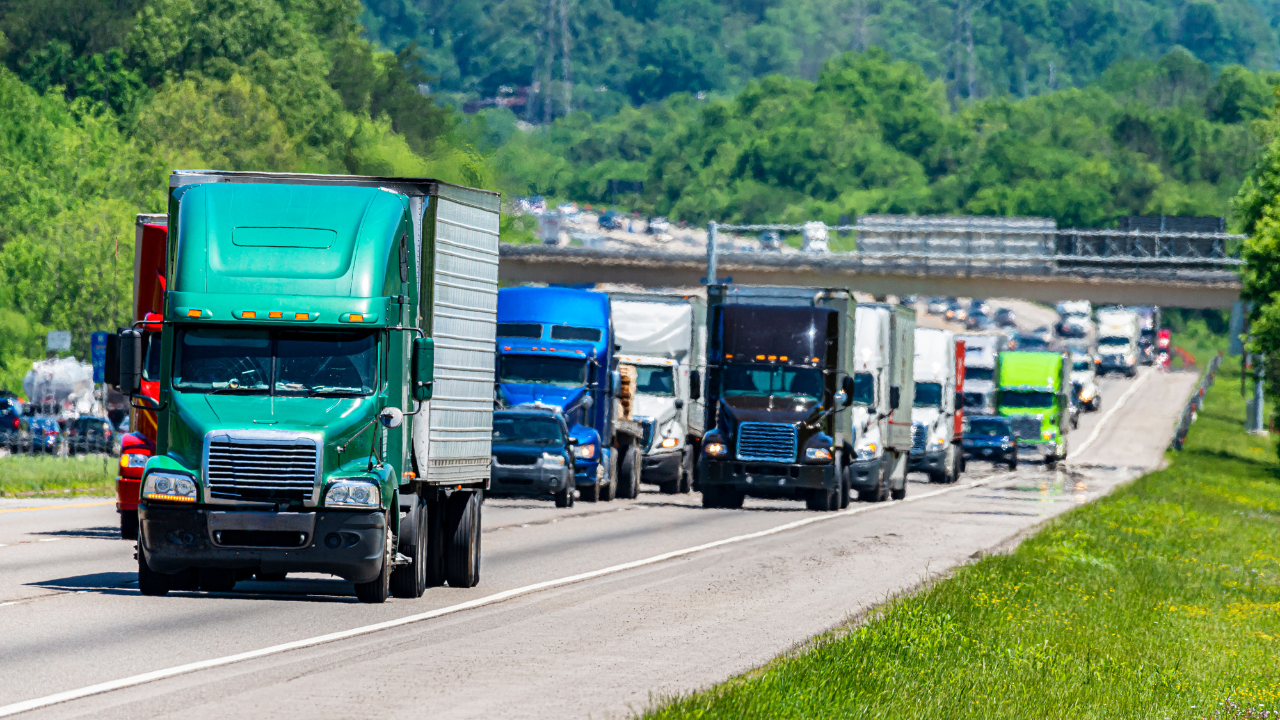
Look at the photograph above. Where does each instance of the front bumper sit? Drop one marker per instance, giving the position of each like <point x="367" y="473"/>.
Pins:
<point x="989" y="452"/>
<point x="662" y="467"/>
<point x="527" y="480"/>
<point x="935" y="461"/>
<point x="347" y="544"/>
<point x="127" y="493"/>
<point x="865" y="474"/>
<point x="1037" y="449"/>
<point x="766" y="479"/>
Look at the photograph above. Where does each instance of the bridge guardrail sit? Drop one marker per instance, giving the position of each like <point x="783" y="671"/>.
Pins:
<point x="1195" y="403"/>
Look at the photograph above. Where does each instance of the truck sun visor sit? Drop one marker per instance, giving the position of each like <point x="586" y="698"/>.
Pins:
<point x="797" y="333"/>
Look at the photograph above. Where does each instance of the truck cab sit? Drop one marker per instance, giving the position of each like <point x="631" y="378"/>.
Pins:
<point x="981" y="365"/>
<point x="935" y="446"/>
<point x="883" y="358"/>
<point x="1085" y="376"/>
<point x="1118" y="348"/>
<point x="1033" y="396"/>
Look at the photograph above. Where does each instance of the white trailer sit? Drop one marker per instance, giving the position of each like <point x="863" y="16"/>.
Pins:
<point x="664" y="336"/>
<point x="981" y="366"/>
<point x="934" y="449"/>
<point x="1118" y="334"/>
<point x="882" y="392"/>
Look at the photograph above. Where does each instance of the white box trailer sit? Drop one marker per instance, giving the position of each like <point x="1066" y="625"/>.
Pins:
<point x="934" y="449"/>
<point x="981" y="367"/>
<point x="664" y="336"/>
<point x="883" y="389"/>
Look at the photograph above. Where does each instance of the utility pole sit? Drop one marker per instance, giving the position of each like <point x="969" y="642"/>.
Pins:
<point x="566" y="64"/>
<point x="711" y="253"/>
<point x="1257" y="419"/>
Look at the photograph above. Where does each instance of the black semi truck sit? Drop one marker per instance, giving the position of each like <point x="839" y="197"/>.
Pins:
<point x="777" y="400"/>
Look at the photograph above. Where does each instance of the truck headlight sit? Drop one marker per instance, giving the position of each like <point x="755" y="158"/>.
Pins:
<point x="353" y="493"/>
<point x="867" y="452"/>
<point x="552" y="461"/>
<point x="823" y="454"/>
<point x="586" y="452"/>
<point x="936" y="444"/>
<point x="170" y="487"/>
<point x="1049" y="434"/>
<point x="669" y="442"/>
<point x="715" y="449"/>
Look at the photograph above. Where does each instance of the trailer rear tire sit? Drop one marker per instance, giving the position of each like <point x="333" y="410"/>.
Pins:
<point x="591" y="494"/>
<point x="462" y="560"/>
<point x="150" y="582"/>
<point x="410" y="581"/>
<point x="129" y="524"/>
<point x="629" y="483"/>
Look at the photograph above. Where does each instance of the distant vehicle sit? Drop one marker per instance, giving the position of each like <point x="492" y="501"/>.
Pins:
<point x="532" y="454"/>
<point x="89" y="434"/>
<point x="658" y="225"/>
<point x="1073" y="319"/>
<point x="1164" y="343"/>
<point x="1148" y="324"/>
<point x="770" y="240"/>
<point x="46" y="436"/>
<point x="612" y="220"/>
<point x="908" y="300"/>
<point x="936" y="422"/>
<point x="955" y="311"/>
<point x="1118" y="334"/>
<point x="977" y="321"/>
<point x="937" y="306"/>
<point x="1033" y="388"/>
<point x="10" y="424"/>
<point x="1084" y="375"/>
<point x="1044" y="332"/>
<point x="978" y="305"/>
<point x="1005" y="318"/>
<point x="991" y="439"/>
<point x="1030" y="343"/>
<point x="981" y="362"/>
<point x="884" y="360"/>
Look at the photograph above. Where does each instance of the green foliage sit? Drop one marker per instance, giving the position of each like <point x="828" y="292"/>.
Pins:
<point x="1160" y="600"/>
<point x="43" y="476"/>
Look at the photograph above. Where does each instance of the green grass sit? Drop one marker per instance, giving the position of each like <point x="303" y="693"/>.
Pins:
<point x="1161" y="600"/>
<point x="42" y="476"/>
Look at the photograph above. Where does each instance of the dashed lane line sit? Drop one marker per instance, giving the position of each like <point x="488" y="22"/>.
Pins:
<point x="1102" y="422"/>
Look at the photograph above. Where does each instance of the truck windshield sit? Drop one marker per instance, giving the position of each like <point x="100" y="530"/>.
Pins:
<point x="928" y="394"/>
<point x="520" y="330"/>
<point x="864" y="389"/>
<point x="538" y="430"/>
<point x="1026" y="399"/>
<point x="988" y="428"/>
<point x="1080" y="365"/>
<point x="279" y="362"/>
<point x="547" y="370"/>
<point x="975" y="401"/>
<point x="569" y="332"/>
<point x="979" y="373"/>
<point x="655" y="381"/>
<point x="1113" y="341"/>
<point x="766" y="380"/>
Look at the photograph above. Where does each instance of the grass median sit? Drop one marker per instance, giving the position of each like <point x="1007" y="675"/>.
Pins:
<point x="1161" y="600"/>
<point x="52" y="476"/>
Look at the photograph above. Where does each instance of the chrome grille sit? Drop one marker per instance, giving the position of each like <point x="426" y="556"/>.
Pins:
<point x="272" y="467"/>
<point x="1026" y="427"/>
<point x="768" y="442"/>
<point x="917" y="438"/>
<point x="646" y="423"/>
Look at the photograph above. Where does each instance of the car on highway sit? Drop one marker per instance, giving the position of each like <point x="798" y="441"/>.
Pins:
<point x="978" y="305"/>
<point x="532" y="454"/>
<point x="89" y="434"/>
<point x="612" y="220"/>
<point x="955" y="311"/>
<point x="1084" y="380"/>
<point x="658" y="225"/>
<point x="991" y="439"/>
<point x="977" y="321"/>
<point x="1029" y="342"/>
<point x="937" y="306"/>
<point x="46" y="435"/>
<point x="770" y="240"/>
<point x="1005" y="318"/>
<point x="10" y="424"/>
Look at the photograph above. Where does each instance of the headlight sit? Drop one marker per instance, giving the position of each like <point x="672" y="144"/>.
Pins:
<point x="715" y="449"/>
<point x="867" y="452"/>
<point x="1086" y="396"/>
<point x="817" y="453"/>
<point x="586" y="452"/>
<point x="669" y="442"/>
<point x="1049" y="434"/>
<point x="353" y="493"/>
<point x="169" y="486"/>
<point x="936" y="444"/>
<point x="133" y="460"/>
<point x="552" y="461"/>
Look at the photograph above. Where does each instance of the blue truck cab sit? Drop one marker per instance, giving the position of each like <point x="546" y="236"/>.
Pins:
<point x="555" y="346"/>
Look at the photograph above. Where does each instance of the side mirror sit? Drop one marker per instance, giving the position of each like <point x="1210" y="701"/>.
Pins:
<point x="588" y="402"/>
<point x="679" y="404"/>
<point x="615" y="382"/>
<point x="391" y="417"/>
<point x="846" y="386"/>
<point x="895" y="397"/>
<point x="695" y="385"/>
<point x="842" y="398"/>
<point x="422" y="368"/>
<point x="574" y="441"/>
<point x="111" y="364"/>
<point x="130" y="361"/>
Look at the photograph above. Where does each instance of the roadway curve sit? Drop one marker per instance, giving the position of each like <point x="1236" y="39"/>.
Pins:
<point x="606" y="645"/>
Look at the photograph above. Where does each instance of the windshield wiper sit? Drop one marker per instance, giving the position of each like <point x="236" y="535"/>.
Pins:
<point x="338" y="390"/>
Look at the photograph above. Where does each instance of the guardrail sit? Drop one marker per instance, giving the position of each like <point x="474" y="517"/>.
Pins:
<point x="1196" y="402"/>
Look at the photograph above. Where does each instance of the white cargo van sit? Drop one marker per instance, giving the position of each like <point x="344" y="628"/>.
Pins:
<point x="883" y="356"/>
<point x="934" y="446"/>
<point x="664" y="336"/>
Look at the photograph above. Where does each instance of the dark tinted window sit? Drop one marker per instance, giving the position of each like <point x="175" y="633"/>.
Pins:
<point x="1032" y="399"/>
<point x="989" y="428"/>
<point x="973" y="400"/>
<point x="928" y="394"/>
<point x="548" y="370"/>
<point x="655" y="381"/>
<point x="978" y="373"/>
<point x="236" y="360"/>
<point x="535" y="429"/>
<point x="520" y="330"/>
<point x="764" y="380"/>
<point x="569" y="332"/>
<point x="151" y="371"/>
<point x="331" y="363"/>
<point x="864" y="389"/>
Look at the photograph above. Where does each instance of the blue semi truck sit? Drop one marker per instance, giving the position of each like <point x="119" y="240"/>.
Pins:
<point x="555" y="347"/>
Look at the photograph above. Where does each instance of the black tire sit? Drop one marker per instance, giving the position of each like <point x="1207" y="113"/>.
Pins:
<point x="938" y="477"/>
<point x="410" y="581"/>
<point x="898" y="494"/>
<point x="1013" y="464"/>
<point x="375" y="591"/>
<point x="823" y="499"/>
<point x="435" y="542"/>
<point x="129" y="524"/>
<point x="270" y="577"/>
<point x="564" y="498"/>
<point x="722" y="497"/>
<point x="150" y="582"/>
<point x="629" y="474"/>
<point x="462" y="533"/>
<point x="217" y="579"/>
<point x="610" y="489"/>
<point x="591" y="493"/>
<point x="669" y="488"/>
<point x="686" y="472"/>
<point x="880" y="492"/>
<point x="845" y="489"/>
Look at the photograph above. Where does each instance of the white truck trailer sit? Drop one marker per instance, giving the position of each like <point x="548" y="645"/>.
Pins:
<point x="664" y="336"/>
<point x="1118" y="334"/>
<point x="981" y="366"/>
<point x="935" y="449"/>
<point x="883" y="357"/>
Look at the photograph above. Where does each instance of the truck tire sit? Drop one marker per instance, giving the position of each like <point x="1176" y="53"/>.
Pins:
<point x="591" y="494"/>
<point x="845" y="490"/>
<point x="823" y="499"/>
<point x="129" y="524"/>
<point x="721" y="497"/>
<point x="610" y="489"/>
<point x="629" y="474"/>
<point x="150" y="582"/>
<point x="899" y="494"/>
<point x="217" y="579"/>
<point x="880" y="492"/>
<point x="462" y="531"/>
<point x="564" y="498"/>
<point x="686" y="472"/>
<point x="410" y="581"/>
<point x="1013" y="463"/>
<point x="435" y="507"/>
<point x="376" y="590"/>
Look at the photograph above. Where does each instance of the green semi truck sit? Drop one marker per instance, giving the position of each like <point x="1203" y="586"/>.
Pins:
<point x="1032" y="393"/>
<point x="326" y="383"/>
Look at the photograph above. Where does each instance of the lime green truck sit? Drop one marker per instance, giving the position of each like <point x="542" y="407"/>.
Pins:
<point x="325" y="383"/>
<point x="1032" y="394"/>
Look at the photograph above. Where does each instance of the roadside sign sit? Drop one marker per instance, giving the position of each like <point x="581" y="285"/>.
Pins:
<point x="58" y="340"/>
<point x="98" y="352"/>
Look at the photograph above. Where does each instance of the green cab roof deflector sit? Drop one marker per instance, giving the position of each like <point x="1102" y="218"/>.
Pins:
<point x="1030" y="370"/>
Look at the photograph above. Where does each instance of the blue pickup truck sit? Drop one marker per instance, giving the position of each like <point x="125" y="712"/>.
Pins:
<point x="555" y="346"/>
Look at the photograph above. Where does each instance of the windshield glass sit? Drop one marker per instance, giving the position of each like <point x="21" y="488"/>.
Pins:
<point x="975" y="400"/>
<point x="242" y="361"/>
<point x="1080" y="365"/>
<point x="655" y="381"/>
<point x="151" y="370"/>
<point x="544" y="369"/>
<point x="1026" y="399"/>
<point x="540" y="430"/>
<point x="928" y="394"/>
<point x="979" y="373"/>
<point x="765" y="380"/>
<point x="988" y="428"/>
<point x="1113" y="342"/>
<point x="520" y="330"/>
<point x="568" y="332"/>
<point x="1031" y="343"/>
<point x="864" y="389"/>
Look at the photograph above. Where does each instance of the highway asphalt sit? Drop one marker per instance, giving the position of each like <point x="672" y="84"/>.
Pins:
<point x="600" y="646"/>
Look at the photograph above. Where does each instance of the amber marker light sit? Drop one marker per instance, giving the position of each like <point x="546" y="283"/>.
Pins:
<point x="248" y="315"/>
<point x="356" y="317"/>
<point x="193" y="313"/>
<point x="275" y="315"/>
<point x="302" y="316"/>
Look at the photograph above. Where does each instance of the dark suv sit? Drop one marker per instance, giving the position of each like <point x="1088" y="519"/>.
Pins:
<point x="89" y="434"/>
<point x="990" y="438"/>
<point x="532" y="454"/>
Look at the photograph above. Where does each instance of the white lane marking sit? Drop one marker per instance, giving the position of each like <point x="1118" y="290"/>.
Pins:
<point x="48" y="539"/>
<point x="24" y="706"/>
<point x="1107" y="415"/>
